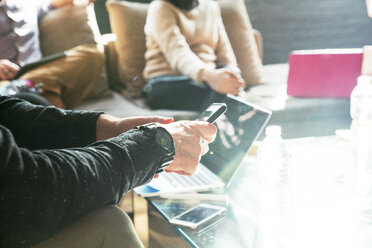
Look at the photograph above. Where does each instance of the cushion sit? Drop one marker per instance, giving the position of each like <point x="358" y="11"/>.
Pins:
<point x="127" y="20"/>
<point x="70" y="26"/>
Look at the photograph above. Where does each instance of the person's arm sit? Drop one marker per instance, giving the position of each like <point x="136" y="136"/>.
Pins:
<point x="37" y="127"/>
<point x="224" y="52"/>
<point x="226" y="80"/>
<point x="43" y="191"/>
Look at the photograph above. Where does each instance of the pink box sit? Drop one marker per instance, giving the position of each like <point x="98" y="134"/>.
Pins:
<point x="324" y="73"/>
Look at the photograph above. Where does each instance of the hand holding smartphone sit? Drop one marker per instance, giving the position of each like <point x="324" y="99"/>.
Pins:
<point x="212" y="113"/>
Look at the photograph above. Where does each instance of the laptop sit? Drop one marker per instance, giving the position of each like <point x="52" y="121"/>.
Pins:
<point x="237" y="128"/>
<point x="324" y="73"/>
<point x="27" y="67"/>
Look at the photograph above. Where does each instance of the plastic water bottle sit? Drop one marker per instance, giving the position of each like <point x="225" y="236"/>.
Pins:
<point x="361" y="137"/>
<point x="361" y="103"/>
<point x="274" y="188"/>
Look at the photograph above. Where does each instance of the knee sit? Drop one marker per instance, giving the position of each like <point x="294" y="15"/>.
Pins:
<point x="112" y="216"/>
<point x="116" y="226"/>
<point x="94" y="57"/>
<point x="106" y="227"/>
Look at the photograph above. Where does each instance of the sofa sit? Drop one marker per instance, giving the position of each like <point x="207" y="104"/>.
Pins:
<point x="117" y="91"/>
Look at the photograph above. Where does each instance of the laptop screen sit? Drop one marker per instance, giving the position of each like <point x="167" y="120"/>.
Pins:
<point x="237" y="130"/>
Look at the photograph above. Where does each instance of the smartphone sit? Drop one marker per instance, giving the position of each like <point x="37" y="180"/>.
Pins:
<point x="212" y="113"/>
<point x="198" y="215"/>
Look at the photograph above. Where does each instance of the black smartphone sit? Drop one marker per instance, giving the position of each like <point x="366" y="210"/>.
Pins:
<point x="27" y="67"/>
<point x="212" y="113"/>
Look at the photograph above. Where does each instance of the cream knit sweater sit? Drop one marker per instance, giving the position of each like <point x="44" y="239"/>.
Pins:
<point x="181" y="42"/>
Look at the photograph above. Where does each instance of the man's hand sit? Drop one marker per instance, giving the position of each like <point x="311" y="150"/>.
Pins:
<point x="61" y="3"/>
<point x="109" y="126"/>
<point x="224" y="81"/>
<point x="191" y="140"/>
<point x="8" y="69"/>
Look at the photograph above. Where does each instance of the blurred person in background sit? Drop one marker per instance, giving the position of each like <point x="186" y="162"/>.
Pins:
<point x="189" y="59"/>
<point x="65" y="81"/>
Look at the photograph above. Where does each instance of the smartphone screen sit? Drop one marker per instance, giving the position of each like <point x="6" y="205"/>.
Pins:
<point x="197" y="215"/>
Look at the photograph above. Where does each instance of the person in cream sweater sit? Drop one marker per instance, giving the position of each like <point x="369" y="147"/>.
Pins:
<point x="189" y="59"/>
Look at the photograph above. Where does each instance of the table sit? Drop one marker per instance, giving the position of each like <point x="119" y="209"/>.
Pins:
<point x="322" y="209"/>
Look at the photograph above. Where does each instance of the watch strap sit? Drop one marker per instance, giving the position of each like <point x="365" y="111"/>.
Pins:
<point x="168" y="154"/>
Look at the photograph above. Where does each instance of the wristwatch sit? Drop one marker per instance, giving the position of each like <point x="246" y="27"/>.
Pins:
<point x="164" y="142"/>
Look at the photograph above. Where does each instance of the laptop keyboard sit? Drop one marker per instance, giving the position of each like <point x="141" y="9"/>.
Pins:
<point x="202" y="177"/>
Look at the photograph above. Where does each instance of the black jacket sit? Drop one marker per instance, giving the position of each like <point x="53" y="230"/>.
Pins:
<point x="52" y="171"/>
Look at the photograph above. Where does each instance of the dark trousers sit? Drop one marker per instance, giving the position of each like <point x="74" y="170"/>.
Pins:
<point x="179" y="93"/>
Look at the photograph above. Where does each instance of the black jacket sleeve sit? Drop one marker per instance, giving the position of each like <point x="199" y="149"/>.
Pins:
<point x="38" y="127"/>
<point x="44" y="190"/>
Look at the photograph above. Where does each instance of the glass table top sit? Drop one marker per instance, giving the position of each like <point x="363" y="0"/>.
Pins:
<point x="321" y="209"/>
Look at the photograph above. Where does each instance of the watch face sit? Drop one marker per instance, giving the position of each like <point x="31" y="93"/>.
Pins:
<point x="164" y="139"/>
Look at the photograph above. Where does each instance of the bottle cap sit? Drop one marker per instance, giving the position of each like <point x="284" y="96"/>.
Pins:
<point x="273" y="130"/>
